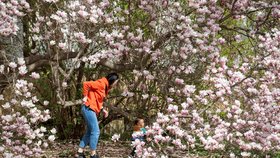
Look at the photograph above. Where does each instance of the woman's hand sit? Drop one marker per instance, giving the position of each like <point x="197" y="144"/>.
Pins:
<point x="84" y="99"/>
<point x="105" y="112"/>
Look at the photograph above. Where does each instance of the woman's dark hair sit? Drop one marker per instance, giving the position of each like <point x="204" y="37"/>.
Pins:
<point x="112" y="77"/>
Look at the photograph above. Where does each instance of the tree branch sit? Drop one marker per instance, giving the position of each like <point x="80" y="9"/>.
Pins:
<point x="71" y="103"/>
<point x="34" y="59"/>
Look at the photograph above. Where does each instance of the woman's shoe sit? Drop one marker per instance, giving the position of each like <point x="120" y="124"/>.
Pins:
<point x="81" y="155"/>
<point x="94" y="156"/>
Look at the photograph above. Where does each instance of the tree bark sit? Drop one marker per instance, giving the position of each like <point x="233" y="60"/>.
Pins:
<point x="12" y="45"/>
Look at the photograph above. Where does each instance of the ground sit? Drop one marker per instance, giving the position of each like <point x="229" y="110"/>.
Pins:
<point x="106" y="149"/>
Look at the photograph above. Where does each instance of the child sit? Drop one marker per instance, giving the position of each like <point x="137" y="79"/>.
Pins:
<point x="139" y="132"/>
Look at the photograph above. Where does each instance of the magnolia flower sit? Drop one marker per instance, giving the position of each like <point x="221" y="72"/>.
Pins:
<point x="127" y="94"/>
<point x="184" y="105"/>
<point x="8" y="155"/>
<point x="46" y="103"/>
<point x="2" y="149"/>
<point x="52" y="42"/>
<point x="39" y="143"/>
<point x="190" y="101"/>
<point x="154" y="98"/>
<point x="171" y="90"/>
<point x="62" y="46"/>
<point x="21" y="61"/>
<point x="64" y="84"/>
<point x="238" y="38"/>
<point x="12" y="65"/>
<point x="245" y="154"/>
<point x="45" y="118"/>
<point x="93" y="20"/>
<point x="51" y="138"/>
<point x="172" y="108"/>
<point x="51" y="1"/>
<point x="6" y="105"/>
<point x="35" y="75"/>
<point x="45" y="144"/>
<point x="137" y="143"/>
<point x="188" y="89"/>
<point x="43" y="129"/>
<point x="35" y="99"/>
<point x="2" y="67"/>
<point x="80" y="37"/>
<point x="34" y="119"/>
<point x="179" y="81"/>
<point x="47" y="111"/>
<point x="150" y="77"/>
<point x="145" y="96"/>
<point x="7" y="118"/>
<point x="145" y="72"/>
<point x="115" y="137"/>
<point x="83" y="13"/>
<point x="53" y="131"/>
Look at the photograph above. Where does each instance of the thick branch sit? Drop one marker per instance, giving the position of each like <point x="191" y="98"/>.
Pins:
<point x="37" y="58"/>
<point x="37" y="64"/>
<point x="71" y="103"/>
<point x="117" y="67"/>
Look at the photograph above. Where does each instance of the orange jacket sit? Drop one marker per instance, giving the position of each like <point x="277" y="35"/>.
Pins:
<point x="95" y="91"/>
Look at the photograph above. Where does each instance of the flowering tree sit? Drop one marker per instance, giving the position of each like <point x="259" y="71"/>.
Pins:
<point x="219" y="100"/>
<point x="21" y="132"/>
<point x="207" y="70"/>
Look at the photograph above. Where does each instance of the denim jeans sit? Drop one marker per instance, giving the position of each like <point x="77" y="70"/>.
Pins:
<point x="92" y="133"/>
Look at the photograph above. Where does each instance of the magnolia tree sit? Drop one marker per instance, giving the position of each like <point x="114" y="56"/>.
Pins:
<point x="220" y="101"/>
<point x="22" y="112"/>
<point x="21" y="132"/>
<point x="207" y="70"/>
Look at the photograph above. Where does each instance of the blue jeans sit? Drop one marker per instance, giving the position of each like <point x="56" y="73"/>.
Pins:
<point x="92" y="134"/>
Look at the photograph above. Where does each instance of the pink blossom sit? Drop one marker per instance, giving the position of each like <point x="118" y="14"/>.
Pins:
<point x="172" y="108"/>
<point x="51" y="138"/>
<point x="245" y="154"/>
<point x="21" y="61"/>
<point x="51" y="1"/>
<point x="83" y="13"/>
<point x="53" y="131"/>
<point x="1" y="149"/>
<point x="115" y="137"/>
<point x="188" y="89"/>
<point x="145" y="96"/>
<point x="2" y="67"/>
<point x="22" y="70"/>
<point x="45" y="144"/>
<point x="169" y="100"/>
<point x="60" y="16"/>
<point x="81" y="37"/>
<point x="13" y="65"/>
<point x="154" y="98"/>
<point x="62" y="46"/>
<point x="46" y="103"/>
<point x="52" y="42"/>
<point x="64" y="85"/>
<point x="179" y="81"/>
<point x="6" y="105"/>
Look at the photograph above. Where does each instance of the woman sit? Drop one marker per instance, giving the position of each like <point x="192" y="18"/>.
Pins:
<point x="94" y="92"/>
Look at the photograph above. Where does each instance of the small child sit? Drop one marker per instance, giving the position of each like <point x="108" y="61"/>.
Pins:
<point x="139" y="132"/>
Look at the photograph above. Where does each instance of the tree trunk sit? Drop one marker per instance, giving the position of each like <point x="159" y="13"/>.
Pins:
<point x="12" y="46"/>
